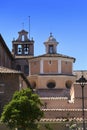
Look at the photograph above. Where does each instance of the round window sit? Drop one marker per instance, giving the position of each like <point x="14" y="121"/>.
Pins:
<point x="68" y="84"/>
<point x="51" y="84"/>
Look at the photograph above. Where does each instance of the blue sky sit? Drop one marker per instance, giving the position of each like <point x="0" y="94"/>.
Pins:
<point x="66" y="19"/>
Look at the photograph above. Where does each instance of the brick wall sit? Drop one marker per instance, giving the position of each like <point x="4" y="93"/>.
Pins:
<point x="9" y="83"/>
<point x="5" y="59"/>
<point x="50" y="66"/>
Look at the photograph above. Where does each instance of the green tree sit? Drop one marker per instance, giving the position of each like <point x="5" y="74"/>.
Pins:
<point x="23" y="111"/>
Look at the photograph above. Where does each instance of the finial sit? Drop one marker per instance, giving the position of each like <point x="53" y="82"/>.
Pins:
<point x="50" y="34"/>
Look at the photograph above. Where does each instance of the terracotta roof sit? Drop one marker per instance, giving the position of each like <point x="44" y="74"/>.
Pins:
<point x="63" y="109"/>
<point x="59" y="119"/>
<point x="54" y="55"/>
<point x="51" y="119"/>
<point x="7" y="70"/>
<point x="54" y="98"/>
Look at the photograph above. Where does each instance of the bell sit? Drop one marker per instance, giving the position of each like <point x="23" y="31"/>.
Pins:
<point x="19" y="49"/>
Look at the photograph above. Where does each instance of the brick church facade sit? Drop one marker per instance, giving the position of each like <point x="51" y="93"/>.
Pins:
<point x="50" y="75"/>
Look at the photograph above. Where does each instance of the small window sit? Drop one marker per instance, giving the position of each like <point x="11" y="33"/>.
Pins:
<point x="51" y="85"/>
<point x="51" y="49"/>
<point x="50" y="62"/>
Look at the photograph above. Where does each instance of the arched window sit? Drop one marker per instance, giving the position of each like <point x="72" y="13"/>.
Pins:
<point x="51" y="84"/>
<point x="50" y="49"/>
<point x="26" y="49"/>
<point x="18" y="67"/>
<point x="68" y="84"/>
<point x="19" y="49"/>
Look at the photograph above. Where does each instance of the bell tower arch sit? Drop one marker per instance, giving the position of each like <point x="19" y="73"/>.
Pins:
<point x="23" y="45"/>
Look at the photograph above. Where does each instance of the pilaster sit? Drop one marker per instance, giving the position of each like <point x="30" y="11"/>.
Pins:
<point x="41" y="66"/>
<point x="59" y="66"/>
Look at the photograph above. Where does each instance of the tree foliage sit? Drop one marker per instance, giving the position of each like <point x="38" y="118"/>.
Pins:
<point x="23" y="111"/>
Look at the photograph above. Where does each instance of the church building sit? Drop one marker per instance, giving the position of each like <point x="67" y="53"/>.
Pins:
<point x="50" y="75"/>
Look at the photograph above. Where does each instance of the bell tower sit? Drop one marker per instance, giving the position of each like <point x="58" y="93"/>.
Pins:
<point x="23" y="46"/>
<point x="51" y="45"/>
<point x="22" y="50"/>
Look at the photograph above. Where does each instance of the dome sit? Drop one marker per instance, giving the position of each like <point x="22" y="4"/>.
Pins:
<point x="51" y="38"/>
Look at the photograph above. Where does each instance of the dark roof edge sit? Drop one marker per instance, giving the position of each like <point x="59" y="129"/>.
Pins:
<point x="57" y="74"/>
<point x="79" y="70"/>
<point x="4" y="44"/>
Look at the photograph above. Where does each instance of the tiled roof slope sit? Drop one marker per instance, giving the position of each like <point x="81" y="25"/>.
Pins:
<point x="61" y="103"/>
<point x="7" y="70"/>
